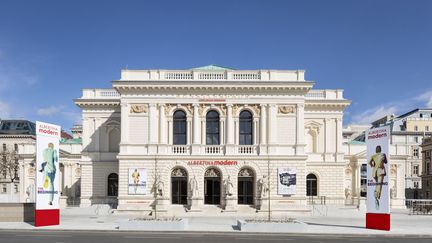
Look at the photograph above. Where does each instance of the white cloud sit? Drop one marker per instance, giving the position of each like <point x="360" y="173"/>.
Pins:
<point x="50" y="111"/>
<point x="4" y="110"/>
<point x="397" y="107"/>
<point x="74" y="117"/>
<point x="373" y="114"/>
<point x="426" y="97"/>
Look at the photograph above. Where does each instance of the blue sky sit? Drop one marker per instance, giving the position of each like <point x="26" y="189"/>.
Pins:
<point x="379" y="52"/>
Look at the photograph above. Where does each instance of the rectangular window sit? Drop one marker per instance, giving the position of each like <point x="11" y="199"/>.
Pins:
<point x="416" y="152"/>
<point x="415" y="169"/>
<point x="416" y="140"/>
<point x="16" y="188"/>
<point x="416" y="184"/>
<point x="4" y="190"/>
<point x="427" y="128"/>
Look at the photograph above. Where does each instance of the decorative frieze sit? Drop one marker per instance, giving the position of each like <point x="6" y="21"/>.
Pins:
<point x="286" y="109"/>
<point x="138" y="108"/>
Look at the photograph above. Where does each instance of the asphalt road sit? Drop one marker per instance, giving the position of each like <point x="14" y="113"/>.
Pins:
<point x="7" y="236"/>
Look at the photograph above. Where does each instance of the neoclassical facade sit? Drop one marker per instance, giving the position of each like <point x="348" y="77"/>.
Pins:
<point x="214" y="138"/>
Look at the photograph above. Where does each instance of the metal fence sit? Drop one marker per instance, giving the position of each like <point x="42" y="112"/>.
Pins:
<point x="317" y="200"/>
<point x="419" y="206"/>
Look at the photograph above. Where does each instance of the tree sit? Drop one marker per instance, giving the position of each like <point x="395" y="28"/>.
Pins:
<point x="9" y="165"/>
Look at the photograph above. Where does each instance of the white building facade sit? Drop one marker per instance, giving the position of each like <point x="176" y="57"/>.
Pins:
<point x="210" y="138"/>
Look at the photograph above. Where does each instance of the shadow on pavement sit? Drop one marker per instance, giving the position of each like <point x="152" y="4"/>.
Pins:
<point x="336" y="225"/>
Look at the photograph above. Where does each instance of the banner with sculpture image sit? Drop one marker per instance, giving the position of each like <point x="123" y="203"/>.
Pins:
<point x="47" y="177"/>
<point x="287" y="181"/>
<point x="378" y="162"/>
<point x="137" y="181"/>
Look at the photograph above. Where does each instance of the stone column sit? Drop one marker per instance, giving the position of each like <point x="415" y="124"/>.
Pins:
<point x="263" y="129"/>
<point x="163" y="138"/>
<point x="153" y="132"/>
<point x="162" y="125"/>
<point x="124" y="124"/>
<point x="272" y="128"/>
<point x="339" y="152"/>
<point x="229" y="125"/>
<point x="230" y="147"/>
<point x="196" y="125"/>
<point x="300" y="143"/>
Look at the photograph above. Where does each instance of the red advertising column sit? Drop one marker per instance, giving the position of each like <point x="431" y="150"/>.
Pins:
<point x="47" y="175"/>
<point x="378" y="163"/>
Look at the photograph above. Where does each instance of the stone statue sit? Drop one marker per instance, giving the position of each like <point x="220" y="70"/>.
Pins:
<point x="193" y="183"/>
<point x="263" y="186"/>
<point x="158" y="187"/>
<point x="228" y="186"/>
<point x="347" y="193"/>
<point x="392" y="193"/>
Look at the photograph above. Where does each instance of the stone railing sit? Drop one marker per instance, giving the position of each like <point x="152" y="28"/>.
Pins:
<point x="213" y="149"/>
<point x="100" y="94"/>
<point x="247" y="149"/>
<point x="234" y="75"/>
<point x="180" y="149"/>
<point x="325" y="94"/>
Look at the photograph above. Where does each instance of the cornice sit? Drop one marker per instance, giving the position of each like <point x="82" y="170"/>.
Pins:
<point x="332" y="104"/>
<point x="209" y="86"/>
<point x="97" y="103"/>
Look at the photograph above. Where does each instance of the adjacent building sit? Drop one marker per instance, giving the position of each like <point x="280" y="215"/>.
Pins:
<point x="18" y="141"/>
<point x="408" y="131"/>
<point x="426" y="174"/>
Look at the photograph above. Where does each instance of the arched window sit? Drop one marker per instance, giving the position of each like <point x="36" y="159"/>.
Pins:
<point x="246" y="136"/>
<point x="212" y="128"/>
<point x="179" y="128"/>
<point x="311" y="185"/>
<point x="114" y="140"/>
<point x="113" y="184"/>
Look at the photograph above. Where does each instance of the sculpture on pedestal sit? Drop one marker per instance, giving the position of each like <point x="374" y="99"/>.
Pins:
<point x="263" y="186"/>
<point x="193" y="183"/>
<point x="228" y="187"/>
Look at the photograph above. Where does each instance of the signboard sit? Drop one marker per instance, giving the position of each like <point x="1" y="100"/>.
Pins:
<point x="47" y="174"/>
<point x="287" y="181"/>
<point x="378" y="193"/>
<point x="137" y="181"/>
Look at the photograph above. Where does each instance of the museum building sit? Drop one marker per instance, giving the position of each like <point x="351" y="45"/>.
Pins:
<point x="216" y="139"/>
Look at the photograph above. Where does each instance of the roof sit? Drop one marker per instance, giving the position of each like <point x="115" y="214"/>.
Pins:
<point x="71" y="141"/>
<point x="212" y="67"/>
<point x="15" y="127"/>
<point x="414" y="111"/>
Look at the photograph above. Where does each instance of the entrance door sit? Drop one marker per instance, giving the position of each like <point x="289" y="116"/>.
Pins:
<point x="245" y="190"/>
<point x="179" y="190"/>
<point x="212" y="190"/>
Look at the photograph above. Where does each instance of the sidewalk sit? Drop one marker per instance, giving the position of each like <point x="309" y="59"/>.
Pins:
<point x="337" y="221"/>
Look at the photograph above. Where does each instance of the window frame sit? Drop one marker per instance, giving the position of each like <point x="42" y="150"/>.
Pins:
<point x="248" y="135"/>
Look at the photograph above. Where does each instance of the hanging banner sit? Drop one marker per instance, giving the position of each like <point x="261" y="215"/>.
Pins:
<point x="47" y="177"/>
<point x="137" y="182"/>
<point x="287" y="181"/>
<point x="378" y="193"/>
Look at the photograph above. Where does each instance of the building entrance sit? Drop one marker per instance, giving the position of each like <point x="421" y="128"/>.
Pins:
<point x="245" y="187"/>
<point x="179" y="186"/>
<point x="212" y="187"/>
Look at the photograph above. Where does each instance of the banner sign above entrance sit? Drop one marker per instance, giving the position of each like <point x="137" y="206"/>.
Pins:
<point x="214" y="162"/>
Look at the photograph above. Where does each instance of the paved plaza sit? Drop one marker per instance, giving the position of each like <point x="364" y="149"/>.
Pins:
<point x="337" y="222"/>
